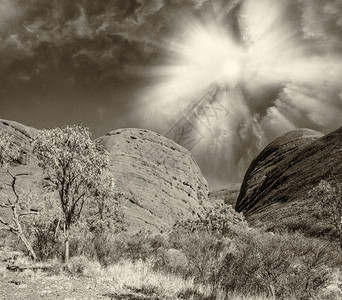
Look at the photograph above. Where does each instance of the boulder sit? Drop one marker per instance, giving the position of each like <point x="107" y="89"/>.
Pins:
<point x="159" y="180"/>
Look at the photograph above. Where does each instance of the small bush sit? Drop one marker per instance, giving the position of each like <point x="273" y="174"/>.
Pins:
<point x="111" y="248"/>
<point x="172" y="261"/>
<point x="81" y="265"/>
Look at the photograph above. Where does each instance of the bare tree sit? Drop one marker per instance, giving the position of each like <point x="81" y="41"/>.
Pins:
<point x="9" y="152"/>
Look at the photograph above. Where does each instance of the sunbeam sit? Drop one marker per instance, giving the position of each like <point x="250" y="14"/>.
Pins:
<point x="271" y="57"/>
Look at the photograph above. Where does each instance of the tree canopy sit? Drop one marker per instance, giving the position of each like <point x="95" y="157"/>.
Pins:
<point x="75" y="167"/>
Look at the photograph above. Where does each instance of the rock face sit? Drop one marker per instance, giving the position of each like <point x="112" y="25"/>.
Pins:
<point x="276" y="186"/>
<point x="27" y="163"/>
<point x="23" y="136"/>
<point x="227" y="195"/>
<point x="159" y="180"/>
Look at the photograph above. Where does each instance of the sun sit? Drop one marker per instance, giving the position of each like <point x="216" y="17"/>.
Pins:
<point x="231" y="71"/>
<point x="211" y="52"/>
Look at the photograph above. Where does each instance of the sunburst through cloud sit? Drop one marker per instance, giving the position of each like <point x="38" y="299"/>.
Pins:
<point x="229" y="90"/>
<point x="222" y="78"/>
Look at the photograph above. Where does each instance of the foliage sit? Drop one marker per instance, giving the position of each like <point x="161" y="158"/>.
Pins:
<point x="219" y="220"/>
<point x="329" y="195"/>
<point x="112" y="248"/>
<point x="282" y="266"/>
<point x="103" y="212"/>
<point x="45" y="228"/>
<point x="225" y="254"/>
<point x="75" y="167"/>
<point x="9" y="151"/>
<point x="81" y="265"/>
<point x="206" y="241"/>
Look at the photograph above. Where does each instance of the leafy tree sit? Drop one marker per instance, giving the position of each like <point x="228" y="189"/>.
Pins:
<point x="329" y="195"/>
<point x="75" y="167"/>
<point x="9" y="153"/>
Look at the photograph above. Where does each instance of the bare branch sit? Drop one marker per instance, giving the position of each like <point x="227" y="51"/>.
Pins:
<point x="10" y="227"/>
<point x="5" y="228"/>
<point x="16" y="175"/>
<point x="10" y="173"/>
<point x="9" y="201"/>
<point x="28" y="213"/>
<point x="22" y="174"/>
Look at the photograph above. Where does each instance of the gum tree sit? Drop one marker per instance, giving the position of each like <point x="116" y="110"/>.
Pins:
<point x="9" y="153"/>
<point x="75" y="168"/>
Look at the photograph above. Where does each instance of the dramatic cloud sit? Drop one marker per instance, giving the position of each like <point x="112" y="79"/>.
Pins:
<point x="261" y="67"/>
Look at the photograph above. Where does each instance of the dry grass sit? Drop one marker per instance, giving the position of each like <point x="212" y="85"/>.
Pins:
<point x="127" y="280"/>
<point x="139" y="276"/>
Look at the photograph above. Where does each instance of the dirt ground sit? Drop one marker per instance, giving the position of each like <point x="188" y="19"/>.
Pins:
<point x="35" y="286"/>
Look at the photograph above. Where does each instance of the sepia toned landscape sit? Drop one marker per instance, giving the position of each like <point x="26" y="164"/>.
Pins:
<point x="171" y="150"/>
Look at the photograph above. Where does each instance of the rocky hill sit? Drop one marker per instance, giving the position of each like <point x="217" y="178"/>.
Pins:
<point x="157" y="179"/>
<point x="227" y="195"/>
<point x="275" y="190"/>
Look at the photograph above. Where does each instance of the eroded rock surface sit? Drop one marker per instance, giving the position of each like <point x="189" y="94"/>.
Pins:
<point x="159" y="180"/>
<point x="227" y="195"/>
<point x="276" y="186"/>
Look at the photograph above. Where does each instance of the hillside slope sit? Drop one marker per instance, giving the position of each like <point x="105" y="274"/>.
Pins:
<point x="275" y="190"/>
<point x="228" y="195"/>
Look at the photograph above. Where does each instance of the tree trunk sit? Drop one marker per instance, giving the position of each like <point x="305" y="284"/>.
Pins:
<point x="28" y="246"/>
<point x="66" y="236"/>
<point x="21" y="234"/>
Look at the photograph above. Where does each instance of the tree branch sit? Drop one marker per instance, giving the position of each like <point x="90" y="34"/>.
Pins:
<point x="6" y="205"/>
<point x="8" y="226"/>
<point x="28" y="213"/>
<point x="5" y="228"/>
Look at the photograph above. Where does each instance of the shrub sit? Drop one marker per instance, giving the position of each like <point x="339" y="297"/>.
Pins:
<point x="219" y="220"/>
<point x="172" y="261"/>
<point x="224" y="253"/>
<point x="206" y="242"/>
<point x="112" y="248"/>
<point x="81" y="265"/>
<point x="283" y="266"/>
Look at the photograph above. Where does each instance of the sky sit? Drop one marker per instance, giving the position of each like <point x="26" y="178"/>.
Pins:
<point x="223" y="78"/>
